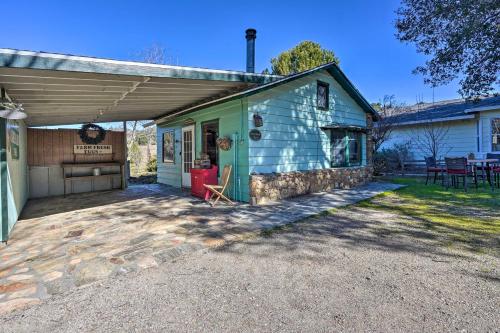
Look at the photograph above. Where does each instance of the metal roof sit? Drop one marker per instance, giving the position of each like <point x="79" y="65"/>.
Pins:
<point x="446" y="110"/>
<point x="331" y="68"/>
<point x="57" y="89"/>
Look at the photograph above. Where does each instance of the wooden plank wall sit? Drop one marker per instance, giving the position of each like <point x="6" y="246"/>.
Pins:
<point x="292" y="138"/>
<point x="48" y="147"/>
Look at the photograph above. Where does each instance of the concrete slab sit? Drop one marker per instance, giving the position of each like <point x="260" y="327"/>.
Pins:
<point x="64" y="242"/>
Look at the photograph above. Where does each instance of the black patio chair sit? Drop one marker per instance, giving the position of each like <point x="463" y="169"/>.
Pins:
<point x="456" y="168"/>
<point x="491" y="156"/>
<point x="494" y="170"/>
<point x="432" y="167"/>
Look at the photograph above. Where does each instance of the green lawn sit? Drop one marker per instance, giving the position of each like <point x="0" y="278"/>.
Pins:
<point x="471" y="218"/>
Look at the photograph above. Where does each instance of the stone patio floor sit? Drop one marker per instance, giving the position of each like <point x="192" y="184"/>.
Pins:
<point x="65" y="242"/>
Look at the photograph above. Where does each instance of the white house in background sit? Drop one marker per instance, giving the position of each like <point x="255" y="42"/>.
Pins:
<point x="470" y="127"/>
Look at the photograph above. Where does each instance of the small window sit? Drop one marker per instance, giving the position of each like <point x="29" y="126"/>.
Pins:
<point x="495" y="134"/>
<point x="345" y="148"/>
<point x="322" y="95"/>
<point x="168" y="147"/>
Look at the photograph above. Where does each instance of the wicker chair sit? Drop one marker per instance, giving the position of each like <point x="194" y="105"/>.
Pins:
<point x="456" y="168"/>
<point x="432" y="167"/>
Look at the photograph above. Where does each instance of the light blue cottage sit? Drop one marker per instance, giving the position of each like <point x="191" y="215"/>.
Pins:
<point x="314" y="137"/>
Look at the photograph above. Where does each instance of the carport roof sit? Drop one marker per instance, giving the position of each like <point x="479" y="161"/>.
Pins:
<point x="57" y="89"/>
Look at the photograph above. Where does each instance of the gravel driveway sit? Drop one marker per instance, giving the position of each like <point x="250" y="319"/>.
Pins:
<point x="347" y="271"/>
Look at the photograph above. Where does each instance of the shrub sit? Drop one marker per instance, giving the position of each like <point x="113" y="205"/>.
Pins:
<point x="384" y="161"/>
<point x="403" y="155"/>
<point x="392" y="160"/>
<point x="152" y="165"/>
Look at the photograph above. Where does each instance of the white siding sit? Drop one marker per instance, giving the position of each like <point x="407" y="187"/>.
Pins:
<point x="17" y="193"/>
<point x="486" y="137"/>
<point x="461" y="139"/>
<point x="291" y="136"/>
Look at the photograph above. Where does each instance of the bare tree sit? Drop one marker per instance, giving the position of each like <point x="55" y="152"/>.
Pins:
<point x="150" y="136"/>
<point x="431" y="139"/>
<point x="431" y="136"/>
<point x="135" y="157"/>
<point x="155" y="54"/>
<point x="387" y="108"/>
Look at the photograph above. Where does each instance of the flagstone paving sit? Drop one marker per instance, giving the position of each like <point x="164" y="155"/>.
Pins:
<point x="65" y="242"/>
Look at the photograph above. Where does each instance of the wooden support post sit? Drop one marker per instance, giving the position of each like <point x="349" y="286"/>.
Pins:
<point x="124" y="168"/>
<point x="64" y="178"/>
<point x="4" y="188"/>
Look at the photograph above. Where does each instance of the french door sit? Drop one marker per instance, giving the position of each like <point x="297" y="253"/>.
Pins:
<point x="187" y="154"/>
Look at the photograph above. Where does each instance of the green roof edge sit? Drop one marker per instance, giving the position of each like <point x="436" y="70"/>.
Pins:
<point x="11" y="58"/>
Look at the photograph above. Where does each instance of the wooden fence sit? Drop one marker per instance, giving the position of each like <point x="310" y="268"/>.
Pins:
<point x="48" y="147"/>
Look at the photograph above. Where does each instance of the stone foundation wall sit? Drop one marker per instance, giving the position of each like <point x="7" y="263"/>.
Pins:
<point x="276" y="186"/>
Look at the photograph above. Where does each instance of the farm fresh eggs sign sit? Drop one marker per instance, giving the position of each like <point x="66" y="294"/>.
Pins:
<point x="93" y="149"/>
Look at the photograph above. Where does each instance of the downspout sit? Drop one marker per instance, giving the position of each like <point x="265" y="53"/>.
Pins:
<point x="237" y="142"/>
<point x="480" y="136"/>
<point x="237" y="170"/>
<point x="3" y="181"/>
<point x="235" y="173"/>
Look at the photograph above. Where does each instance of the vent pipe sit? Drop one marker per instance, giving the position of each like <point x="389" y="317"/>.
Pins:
<point x="251" y="34"/>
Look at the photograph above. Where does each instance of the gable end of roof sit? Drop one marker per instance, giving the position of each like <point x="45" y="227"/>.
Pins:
<point x="331" y="68"/>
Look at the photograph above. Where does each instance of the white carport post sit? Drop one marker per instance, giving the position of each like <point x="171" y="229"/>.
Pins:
<point x="125" y="148"/>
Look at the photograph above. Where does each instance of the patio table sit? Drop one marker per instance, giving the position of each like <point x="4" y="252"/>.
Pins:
<point x="485" y="166"/>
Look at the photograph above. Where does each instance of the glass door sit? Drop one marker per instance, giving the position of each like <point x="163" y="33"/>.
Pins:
<point x="187" y="154"/>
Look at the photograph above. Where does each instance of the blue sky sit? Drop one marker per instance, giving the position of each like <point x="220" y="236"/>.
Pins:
<point x="211" y="34"/>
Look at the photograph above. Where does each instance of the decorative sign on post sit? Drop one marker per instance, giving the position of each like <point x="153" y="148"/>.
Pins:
<point x="93" y="149"/>
<point x="255" y="135"/>
<point x="257" y="120"/>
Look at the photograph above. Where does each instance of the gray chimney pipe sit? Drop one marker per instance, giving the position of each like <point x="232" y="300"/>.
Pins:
<point x="251" y="34"/>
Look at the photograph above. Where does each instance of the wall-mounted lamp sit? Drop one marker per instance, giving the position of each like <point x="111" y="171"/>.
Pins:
<point x="9" y="109"/>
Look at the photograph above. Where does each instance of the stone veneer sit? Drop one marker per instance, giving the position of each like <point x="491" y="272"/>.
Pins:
<point x="277" y="186"/>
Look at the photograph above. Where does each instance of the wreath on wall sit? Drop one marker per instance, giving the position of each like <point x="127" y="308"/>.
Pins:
<point x="91" y="140"/>
<point x="224" y="143"/>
